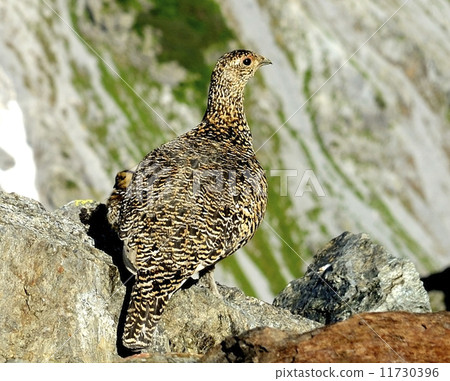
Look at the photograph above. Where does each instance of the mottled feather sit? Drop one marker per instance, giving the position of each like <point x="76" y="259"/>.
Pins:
<point x="123" y="179"/>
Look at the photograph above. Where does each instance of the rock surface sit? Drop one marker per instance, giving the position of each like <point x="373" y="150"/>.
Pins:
<point x="60" y="296"/>
<point x="353" y="275"/>
<point x="63" y="295"/>
<point x="64" y="292"/>
<point x="196" y="319"/>
<point x="369" y="337"/>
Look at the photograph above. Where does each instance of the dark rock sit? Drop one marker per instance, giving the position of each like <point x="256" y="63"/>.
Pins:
<point x="353" y="275"/>
<point x="369" y="337"/>
<point x="439" y="282"/>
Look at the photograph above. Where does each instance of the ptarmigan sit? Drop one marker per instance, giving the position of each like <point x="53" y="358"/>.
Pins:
<point x="191" y="202"/>
<point x="123" y="179"/>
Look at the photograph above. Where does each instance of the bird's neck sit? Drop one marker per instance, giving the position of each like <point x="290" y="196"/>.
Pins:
<point x="225" y="115"/>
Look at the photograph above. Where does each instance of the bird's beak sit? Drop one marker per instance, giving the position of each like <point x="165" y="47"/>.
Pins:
<point x="264" y="61"/>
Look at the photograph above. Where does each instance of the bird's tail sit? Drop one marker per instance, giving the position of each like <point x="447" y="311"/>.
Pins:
<point x="144" y="312"/>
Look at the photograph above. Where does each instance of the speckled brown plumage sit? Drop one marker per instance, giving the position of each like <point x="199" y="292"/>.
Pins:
<point x="123" y="179"/>
<point x="193" y="201"/>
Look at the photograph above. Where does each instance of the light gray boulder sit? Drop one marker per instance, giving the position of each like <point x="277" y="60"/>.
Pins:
<point x="60" y="297"/>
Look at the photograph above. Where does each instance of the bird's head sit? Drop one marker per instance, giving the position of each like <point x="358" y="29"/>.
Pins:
<point x="237" y="67"/>
<point x="123" y="179"/>
<point x="228" y="80"/>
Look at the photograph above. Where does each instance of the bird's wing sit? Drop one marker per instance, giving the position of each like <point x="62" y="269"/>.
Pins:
<point x="174" y="209"/>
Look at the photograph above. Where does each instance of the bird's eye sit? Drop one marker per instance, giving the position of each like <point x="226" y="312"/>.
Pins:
<point x="247" y="61"/>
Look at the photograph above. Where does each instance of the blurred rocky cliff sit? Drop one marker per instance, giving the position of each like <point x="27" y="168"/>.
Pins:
<point x="351" y="122"/>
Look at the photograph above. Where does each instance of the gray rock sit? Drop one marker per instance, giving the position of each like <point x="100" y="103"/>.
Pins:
<point x="60" y="296"/>
<point x="196" y="319"/>
<point x="353" y="275"/>
<point x="63" y="297"/>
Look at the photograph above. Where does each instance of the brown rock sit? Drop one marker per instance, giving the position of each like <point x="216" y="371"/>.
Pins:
<point x="368" y="337"/>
